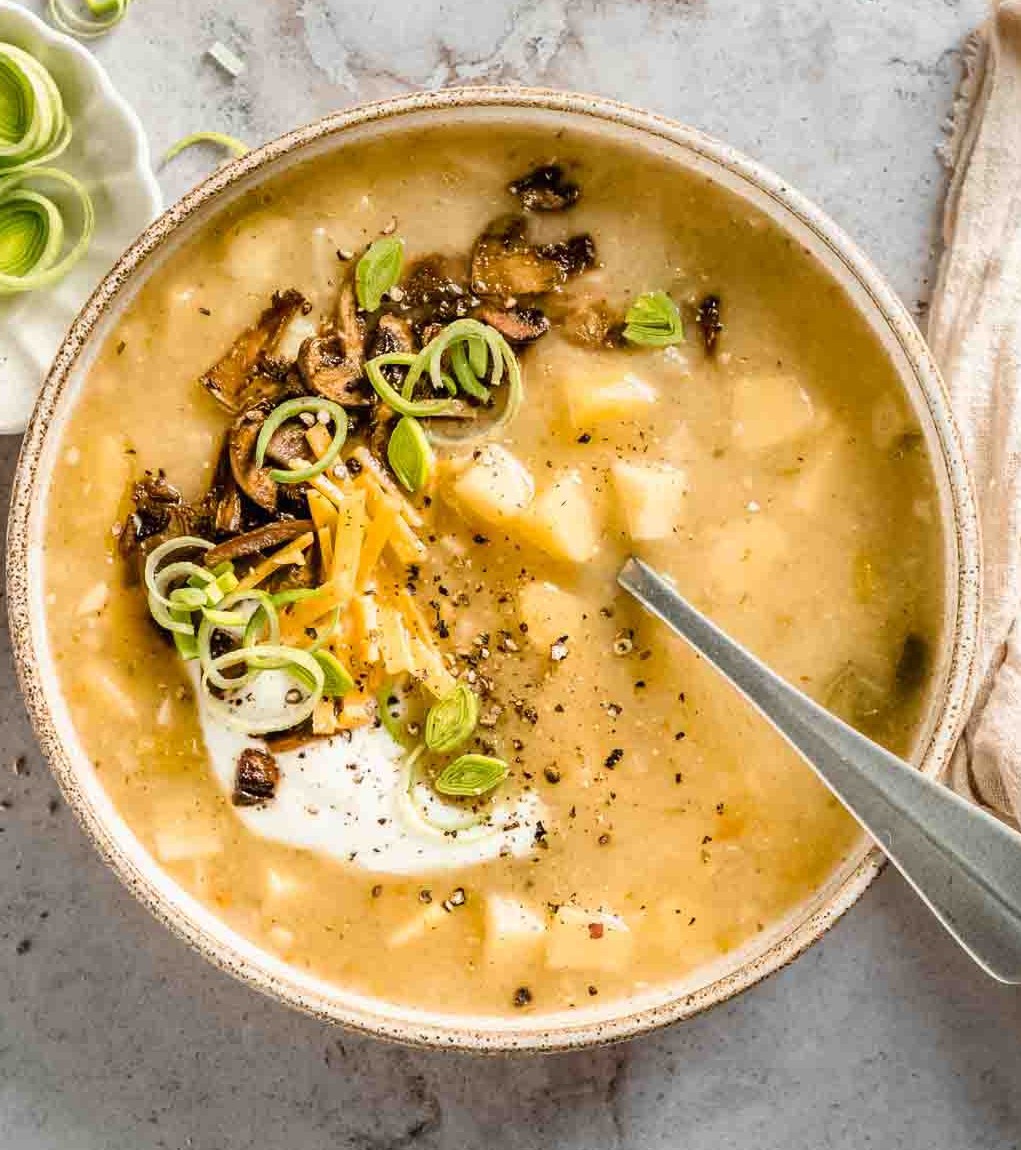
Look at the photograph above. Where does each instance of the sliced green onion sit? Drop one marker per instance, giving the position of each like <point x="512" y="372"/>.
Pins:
<point x="263" y="618"/>
<point x="290" y="410"/>
<point x="227" y="581"/>
<point x="410" y="454"/>
<point x="186" y="644"/>
<point x="464" y="826"/>
<point x="478" y="354"/>
<point x="189" y="598"/>
<point x="419" y="409"/>
<point x="236" y="147"/>
<point x="224" y="618"/>
<point x="160" y="605"/>
<point x="451" y="722"/>
<point x="32" y="230"/>
<point x="378" y="270"/>
<point x="471" y="776"/>
<point x="654" y="321"/>
<point x="465" y="374"/>
<point x="337" y="679"/>
<point x="295" y="595"/>
<point x="473" y="348"/>
<point x="103" y="15"/>
<point x="170" y="573"/>
<point x="300" y="666"/>
<point x="34" y="126"/>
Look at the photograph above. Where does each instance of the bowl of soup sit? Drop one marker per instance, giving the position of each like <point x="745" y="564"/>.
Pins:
<point x="313" y="551"/>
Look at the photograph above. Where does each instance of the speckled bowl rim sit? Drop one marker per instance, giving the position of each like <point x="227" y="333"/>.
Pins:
<point x="184" y="915"/>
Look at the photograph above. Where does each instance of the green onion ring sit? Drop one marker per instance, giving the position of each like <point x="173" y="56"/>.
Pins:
<point x="472" y="346"/>
<point x="300" y="665"/>
<point x="295" y="595"/>
<point x="34" y="125"/>
<point x="236" y="147"/>
<point x="170" y="572"/>
<point x="421" y="408"/>
<point x="32" y="230"/>
<point x="465" y="374"/>
<point x="266" y="615"/>
<point x="421" y="819"/>
<point x="159" y="605"/>
<point x="104" y="15"/>
<point x="289" y="410"/>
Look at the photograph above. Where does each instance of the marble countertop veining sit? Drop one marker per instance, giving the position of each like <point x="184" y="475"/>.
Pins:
<point x="114" y="1037"/>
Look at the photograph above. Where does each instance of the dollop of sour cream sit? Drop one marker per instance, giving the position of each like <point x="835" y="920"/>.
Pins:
<point x="349" y="799"/>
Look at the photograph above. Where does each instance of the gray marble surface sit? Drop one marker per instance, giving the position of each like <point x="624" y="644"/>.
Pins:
<point x="112" y="1035"/>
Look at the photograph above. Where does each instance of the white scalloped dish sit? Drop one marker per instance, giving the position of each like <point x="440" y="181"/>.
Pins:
<point x="110" y="155"/>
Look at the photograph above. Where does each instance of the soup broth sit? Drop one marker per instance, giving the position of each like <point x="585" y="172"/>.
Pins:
<point x="768" y="463"/>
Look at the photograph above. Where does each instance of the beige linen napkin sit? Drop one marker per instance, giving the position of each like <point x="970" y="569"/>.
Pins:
<point x="975" y="334"/>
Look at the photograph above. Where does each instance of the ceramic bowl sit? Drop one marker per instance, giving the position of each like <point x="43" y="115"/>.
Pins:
<point x="110" y="155"/>
<point x="806" y="225"/>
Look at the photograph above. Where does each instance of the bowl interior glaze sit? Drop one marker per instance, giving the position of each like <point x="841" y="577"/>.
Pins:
<point x="806" y="225"/>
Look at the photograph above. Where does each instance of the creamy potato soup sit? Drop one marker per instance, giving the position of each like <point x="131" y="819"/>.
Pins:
<point x="331" y="557"/>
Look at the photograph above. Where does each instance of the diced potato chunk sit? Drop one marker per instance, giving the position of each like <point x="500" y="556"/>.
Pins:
<point x="651" y="497"/>
<point x="742" y="556"/>
<point x="588" y="940"/>
<point x="549" y="612"/>
<point x="495" y="487"/>
<point x="515" y="933"/>
<point x="891" y="420"/>
<point x="424" y="922"/>
<point x="182" y="843"/>
<point x="281" y="886"/>
<point x="256" y="250"/>
<point x="770" y="410"/>
<point x="820" y="481"/>
<point x="590" y="404"/>
<point x="562" y="521"/>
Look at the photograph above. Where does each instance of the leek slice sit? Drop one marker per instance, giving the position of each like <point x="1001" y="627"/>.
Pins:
<point x="32" y="230"/>
<point x="34" y="126"/>
<point x="103" y="15"/>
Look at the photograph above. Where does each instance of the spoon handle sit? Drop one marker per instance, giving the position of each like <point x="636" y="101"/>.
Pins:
<point x="963" y="862"/>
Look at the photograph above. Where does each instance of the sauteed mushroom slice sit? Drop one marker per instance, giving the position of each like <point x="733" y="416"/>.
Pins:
<point x="574" y="255"/>
<point x="393" y="334"/>
<point x="160" y="513"/>
<point x="227" y="379"/>
<point x="253" y="481"/>
<point x="593" y="324"/>
<point x="225" y="496"/>
<point x="256" y="777"/>
<point x="545" y="189"/>
<point x="259" y="541"/>
<point x="517" y="325"/>
<point x="436" y="290"/>
<point x="329" y="370"/>
<point x="505" y="264"/>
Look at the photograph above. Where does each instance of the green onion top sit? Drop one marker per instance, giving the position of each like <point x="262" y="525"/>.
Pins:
<point x="378" y="270"/>
<point x="103" y="15"/>
<point x="232" y="144"/>
<point x="34" y="127"/>
<point x="654" y="321"/>
<point x="32" y="228"/>
<point x="452" y="720"/>
<point x="410" y="454"/>
<point x="291" y="409"/>
<point x="471" y="776"/>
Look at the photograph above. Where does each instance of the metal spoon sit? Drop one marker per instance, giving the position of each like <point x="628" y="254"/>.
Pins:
<point x="963" y="862"/>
